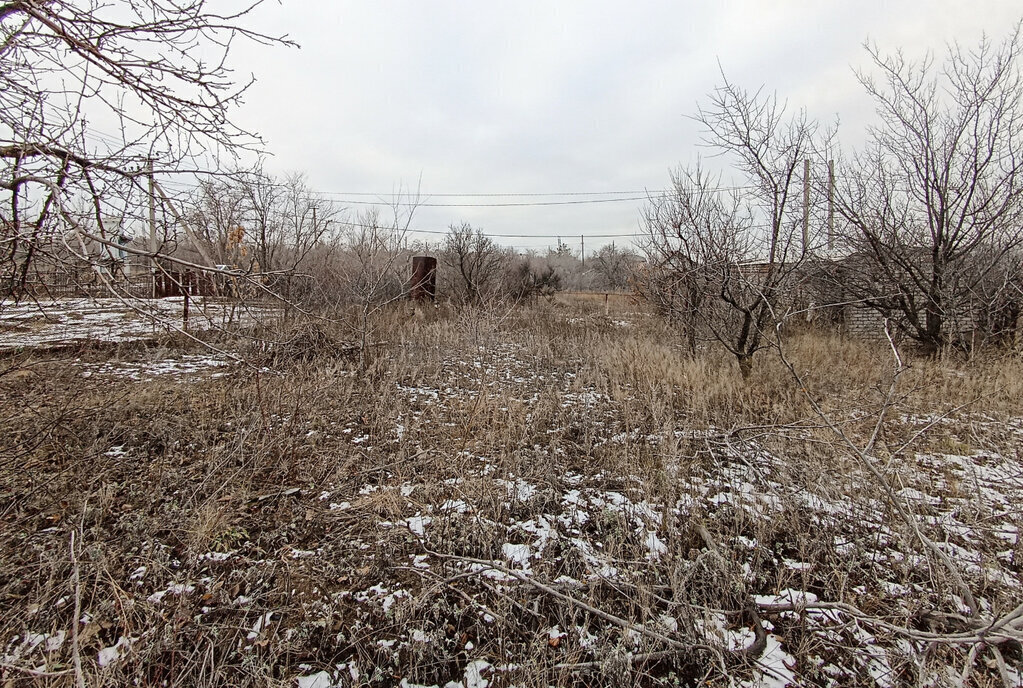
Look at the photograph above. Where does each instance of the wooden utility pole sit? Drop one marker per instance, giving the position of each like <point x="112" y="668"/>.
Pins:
<point x="831" y="206"/>
<point x="806" y="204"/>
<point x="152" y="224"/>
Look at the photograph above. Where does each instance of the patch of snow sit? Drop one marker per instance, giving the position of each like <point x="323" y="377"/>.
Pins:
<point x="418" y="524"/>
<point x="393" y="597"/>
<point x="258" y="627"/>
<point x="518" y="489"/>
<point x="321" y="679"/>
<point x="517" y="554"/>
<point x="176" y="589"/>
<point x="109" y="655"/>
<point x="456" y="505"/>
<point x="654" y="545"/>
<point x="774" y="665"/>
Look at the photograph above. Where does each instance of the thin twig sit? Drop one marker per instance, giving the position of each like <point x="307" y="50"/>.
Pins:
<point x="76" y="620"/>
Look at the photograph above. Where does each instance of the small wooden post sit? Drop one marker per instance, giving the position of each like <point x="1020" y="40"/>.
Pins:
<point x="424" y="279"/>
<point x="184" y="317"/>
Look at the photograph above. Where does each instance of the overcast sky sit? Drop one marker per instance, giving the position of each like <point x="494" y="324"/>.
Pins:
<point x="541" y="97"/>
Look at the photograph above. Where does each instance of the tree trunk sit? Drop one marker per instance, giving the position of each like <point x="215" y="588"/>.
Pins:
<point x="745" y="365"/>
<point x="934" y="338"/>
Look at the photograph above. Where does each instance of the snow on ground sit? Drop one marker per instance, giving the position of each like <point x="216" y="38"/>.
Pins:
<point x="65" y="321"/>
<point x="967" y="502"/>
<point x="187" y="366"/>
<point x="550" y="537"/>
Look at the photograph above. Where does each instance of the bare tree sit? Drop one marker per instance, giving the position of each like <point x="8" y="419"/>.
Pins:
<point x="934" y="203"/>
<point x="370" y="267"/>
<point x="613" y="266"/>
<point x="474" y="261"/>
<point x="706" y="272"/>
<point x="218" y="213"/>
<point x="724" y="262"/>
<point x="268" y="227"/>
<point x="290" y="222"/>
<point x="153" y="73"/>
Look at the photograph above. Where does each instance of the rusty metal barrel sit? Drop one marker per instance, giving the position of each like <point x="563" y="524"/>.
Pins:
<point x="424" y="278"/>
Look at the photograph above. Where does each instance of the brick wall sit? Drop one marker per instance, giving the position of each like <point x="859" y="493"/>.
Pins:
<point x="863" y="323"/>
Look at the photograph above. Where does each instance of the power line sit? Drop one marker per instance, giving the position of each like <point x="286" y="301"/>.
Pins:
<point x="382" y="197"/>
<point x="640" y="195"/>
<point x="534" y="204"/>
<point x="504" y="194"/>
<point x="411" y="230"/>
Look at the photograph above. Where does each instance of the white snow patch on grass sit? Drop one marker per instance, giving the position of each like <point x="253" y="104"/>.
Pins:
<point x="109" y="655"/>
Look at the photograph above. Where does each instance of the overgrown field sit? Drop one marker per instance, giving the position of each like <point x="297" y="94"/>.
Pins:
<point x="539" y="496"/>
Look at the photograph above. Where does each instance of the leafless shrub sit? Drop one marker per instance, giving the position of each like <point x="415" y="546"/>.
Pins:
<point x="473" y="262"/>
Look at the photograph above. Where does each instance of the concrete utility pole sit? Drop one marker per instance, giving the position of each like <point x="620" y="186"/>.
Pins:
<point x="831" y="206"/>
<point x="582" y="249"/>
<point x="806" y="204"/>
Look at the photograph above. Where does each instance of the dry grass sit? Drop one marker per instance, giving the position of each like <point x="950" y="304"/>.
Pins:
<point x="347" y="504"/>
